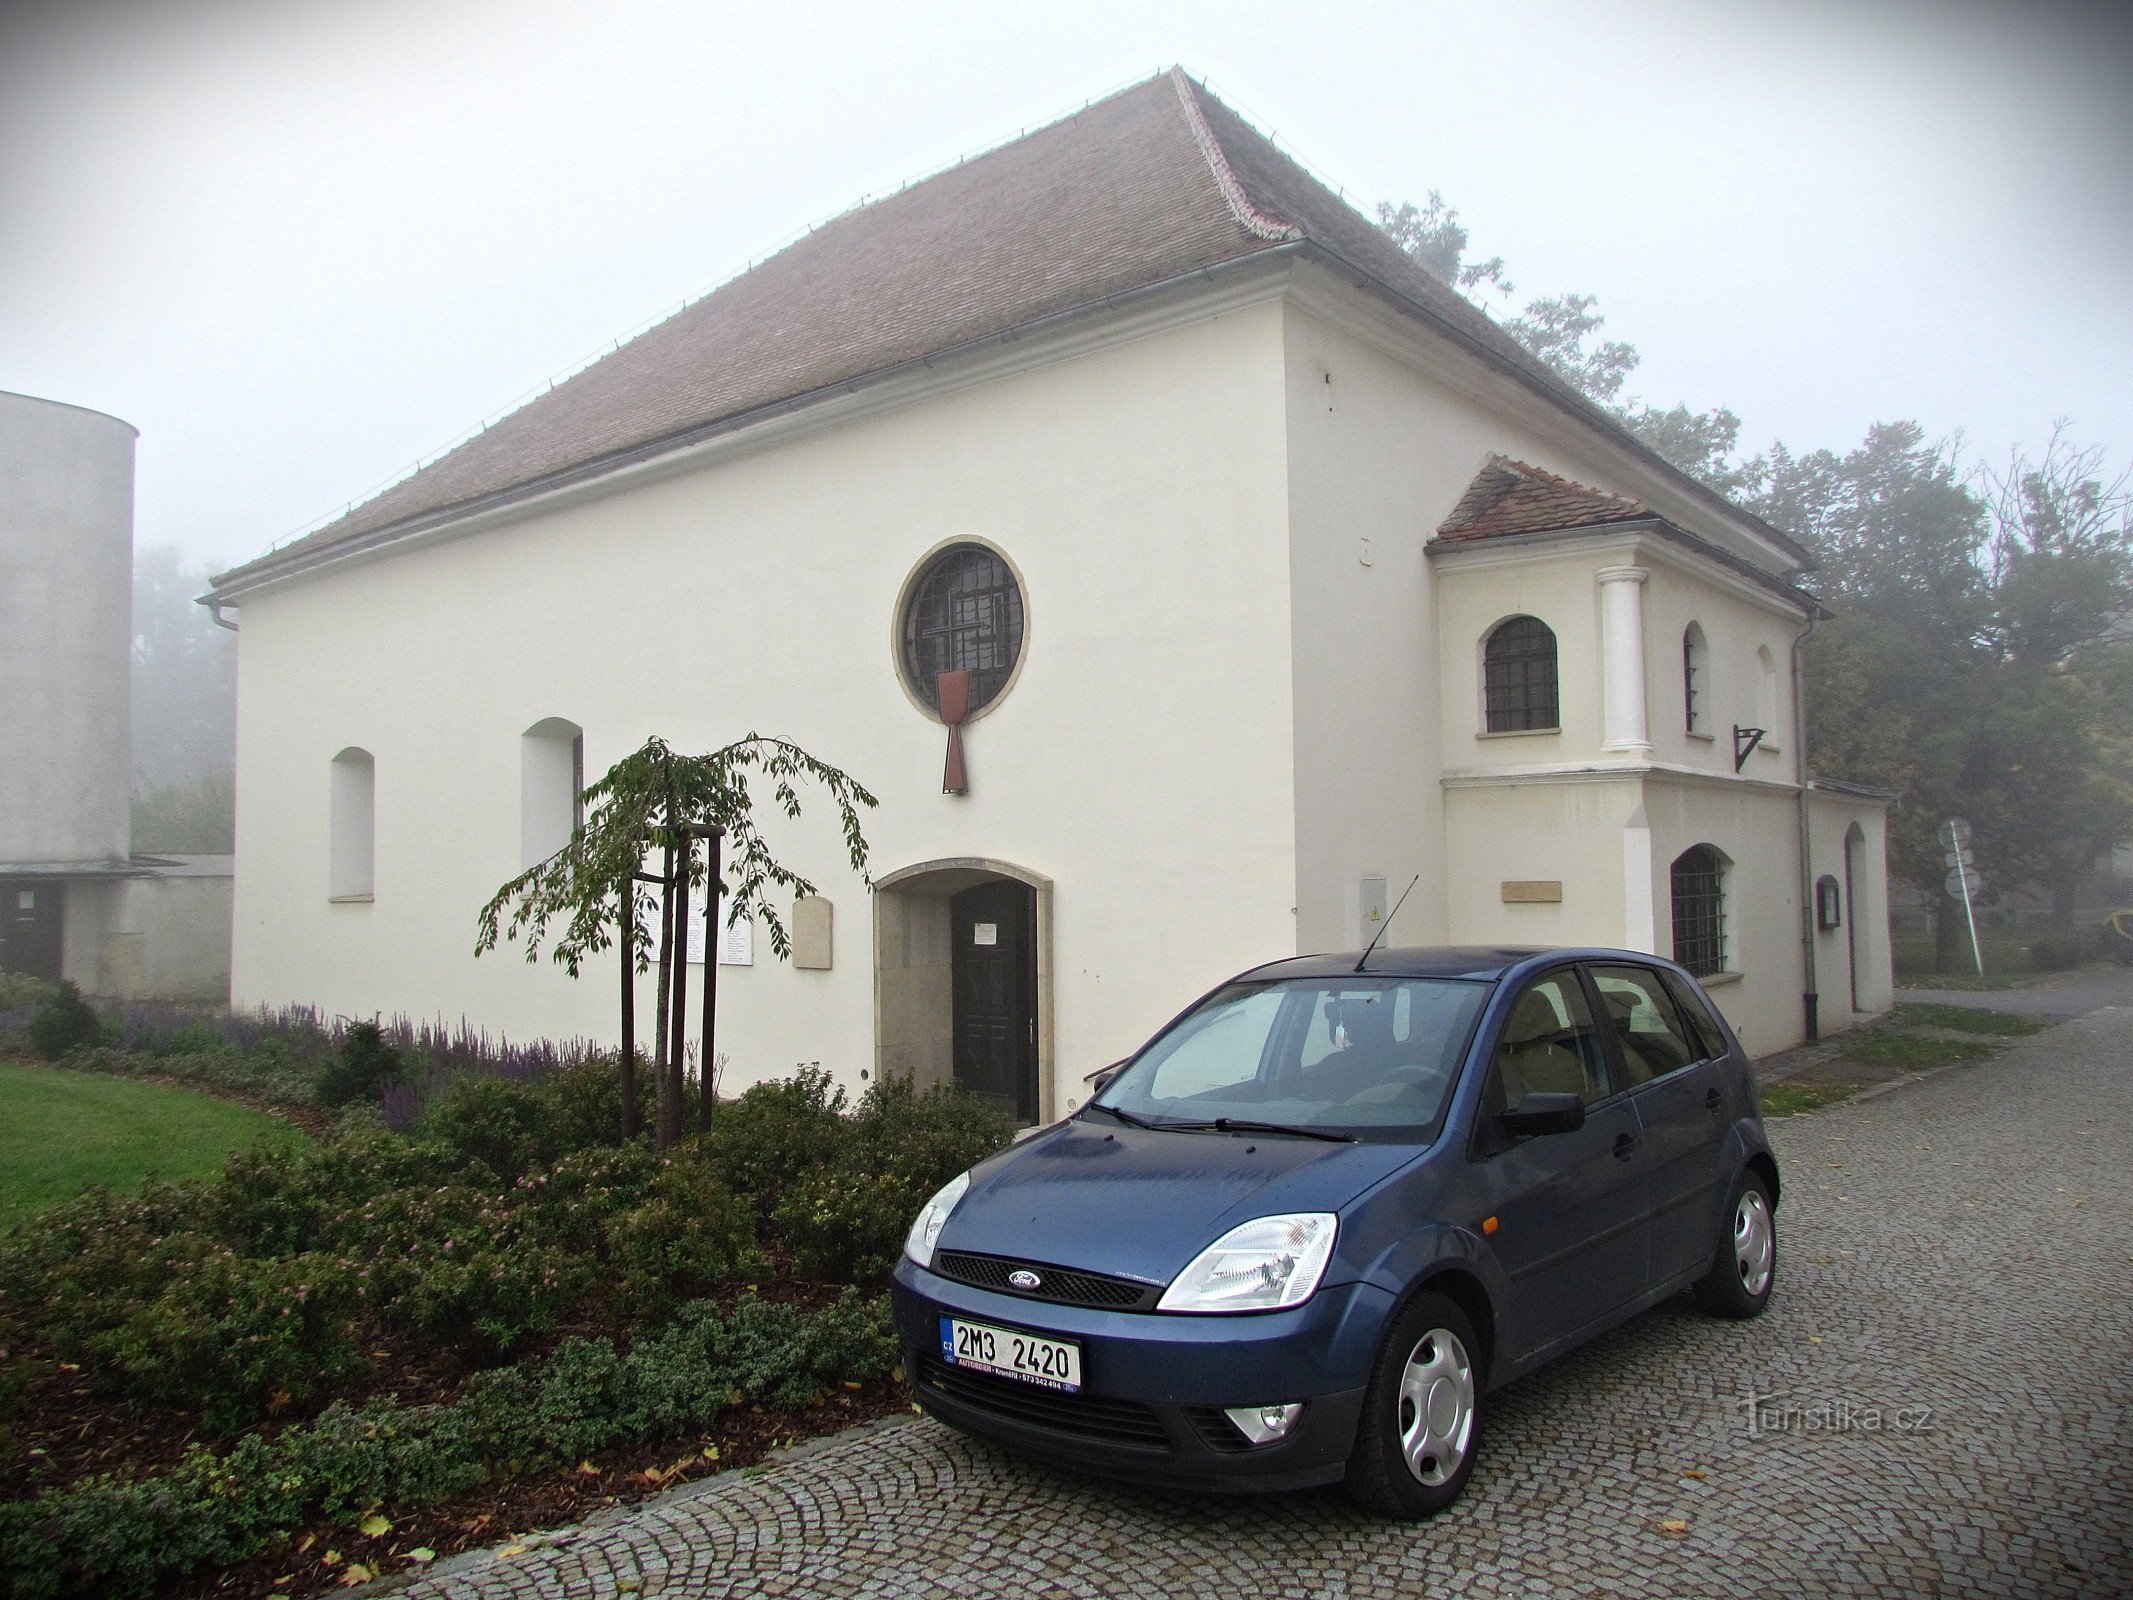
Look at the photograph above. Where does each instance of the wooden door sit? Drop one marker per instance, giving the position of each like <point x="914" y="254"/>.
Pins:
<point x="994" y="974"/>
<point x="31" y="929"/>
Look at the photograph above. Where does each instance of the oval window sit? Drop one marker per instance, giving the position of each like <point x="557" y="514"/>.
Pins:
<point x="962" y="612"/>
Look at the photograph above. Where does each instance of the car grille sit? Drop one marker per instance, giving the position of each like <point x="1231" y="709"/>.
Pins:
<point x="1060" y="1285"/>
<point x="1216" y="1431"/>
<point x="1125" y="1423"/>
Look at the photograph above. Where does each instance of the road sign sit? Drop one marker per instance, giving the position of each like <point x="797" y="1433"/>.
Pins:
<point x="1965" y="880"/>
<point x="1955" y="833"/>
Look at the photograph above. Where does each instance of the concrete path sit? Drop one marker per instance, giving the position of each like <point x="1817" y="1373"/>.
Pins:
<point x="2063" y="994"/>
<point x="1936" y="1404"/>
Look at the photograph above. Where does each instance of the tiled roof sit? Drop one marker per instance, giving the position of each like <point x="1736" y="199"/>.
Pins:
<point x="1509" y="496"/>
<point x="1154" y="183"/>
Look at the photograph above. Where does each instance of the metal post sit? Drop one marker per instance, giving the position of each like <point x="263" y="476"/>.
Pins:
<point x="677" y="1031"/>
<point x="706" y="1082"/>
<point x="1977" y="955"/>
<point x="628" y="941"/>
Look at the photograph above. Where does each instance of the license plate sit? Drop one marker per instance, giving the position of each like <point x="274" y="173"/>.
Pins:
<point x="1048" y="1363"/>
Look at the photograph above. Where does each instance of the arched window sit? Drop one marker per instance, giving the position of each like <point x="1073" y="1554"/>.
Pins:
<point x="551" y="775"/>
<point x="1518" y="677"/>
<point x="1699" y="875"/>
<point x="352" y="807"/>
<point x="1695" y="677"/>
<point x="1766" y="695"/>
<point x="963" y="611"/>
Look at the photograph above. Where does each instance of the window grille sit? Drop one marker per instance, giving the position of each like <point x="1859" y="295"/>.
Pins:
<point x="1700" y="911"/>
<point x="1518" y="666"/>
<point x="964" y="613"/>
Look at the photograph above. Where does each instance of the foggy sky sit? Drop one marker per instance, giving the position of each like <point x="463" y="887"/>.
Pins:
<point x="300" y="245"/>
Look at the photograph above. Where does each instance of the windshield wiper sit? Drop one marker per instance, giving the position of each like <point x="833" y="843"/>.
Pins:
<point x="1234" y="1125"/>
<point x="1127" y="1117"/>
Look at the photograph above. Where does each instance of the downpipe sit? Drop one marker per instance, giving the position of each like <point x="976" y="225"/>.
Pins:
<point x="1810" y="999"/>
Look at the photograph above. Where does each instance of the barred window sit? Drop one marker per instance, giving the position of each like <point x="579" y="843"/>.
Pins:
<point x="1518" y="674"/>
<point x="962" y="612"/>
<point x="1699" y="875"/>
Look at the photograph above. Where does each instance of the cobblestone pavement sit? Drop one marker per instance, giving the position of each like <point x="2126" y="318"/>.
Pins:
<point x="1948" y="1363"/>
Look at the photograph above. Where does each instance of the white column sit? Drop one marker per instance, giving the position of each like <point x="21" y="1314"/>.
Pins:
<point x="1622" y="720"/>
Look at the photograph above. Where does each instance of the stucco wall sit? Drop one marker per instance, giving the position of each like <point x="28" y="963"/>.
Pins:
<point x="1862" y="941"/>
<point x="1137" y="488"/>
<point x="1385" y="433"/>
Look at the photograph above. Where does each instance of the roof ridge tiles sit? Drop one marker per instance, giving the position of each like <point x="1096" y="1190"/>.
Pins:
<point x="1240" y="204"/>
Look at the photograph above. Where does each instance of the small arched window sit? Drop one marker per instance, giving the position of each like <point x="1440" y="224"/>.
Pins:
<point x="352" y="806"/>
<point x="1518" y="677"/>
<point x="1695" y="677"/>
<point x="551" y="777"/>
<point x="1699" y="884"/>
<point x="1766" y="693"/>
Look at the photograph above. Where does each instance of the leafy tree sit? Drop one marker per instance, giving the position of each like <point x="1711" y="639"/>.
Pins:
<point x="188" y="819"/>
<point x="1435" y="237"/>
<point x="659" y="801"/>
<point x="1564" y="331"/>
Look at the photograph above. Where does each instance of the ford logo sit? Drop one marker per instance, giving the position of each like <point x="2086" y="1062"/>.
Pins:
<point x="1025" y="1280"/>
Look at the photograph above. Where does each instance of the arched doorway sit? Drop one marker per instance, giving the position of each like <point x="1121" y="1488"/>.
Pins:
<point x="962" y="980"/>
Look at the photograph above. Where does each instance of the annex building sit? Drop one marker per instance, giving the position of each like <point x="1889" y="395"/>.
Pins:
<point x="1280" y="574"/>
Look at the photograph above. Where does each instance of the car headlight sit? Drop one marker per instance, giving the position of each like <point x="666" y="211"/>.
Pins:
<point x="1265" y="1265"/>
<point x="926" y="1231"/>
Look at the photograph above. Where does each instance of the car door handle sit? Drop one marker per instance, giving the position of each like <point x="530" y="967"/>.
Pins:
<point x="1713" y="1100"/>
<point x="1624" y="1144"/>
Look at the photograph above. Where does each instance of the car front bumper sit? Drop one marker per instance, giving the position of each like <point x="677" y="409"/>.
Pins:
<point x="1155" y="1385"/>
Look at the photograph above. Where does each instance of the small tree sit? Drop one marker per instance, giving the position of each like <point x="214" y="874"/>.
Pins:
<point x="655" y="802"/>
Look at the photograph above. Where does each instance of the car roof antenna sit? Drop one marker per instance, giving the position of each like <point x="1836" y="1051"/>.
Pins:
<point x="1404" y="893"/>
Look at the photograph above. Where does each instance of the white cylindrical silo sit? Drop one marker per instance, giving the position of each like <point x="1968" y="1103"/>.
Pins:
<point x="66" y="633"/>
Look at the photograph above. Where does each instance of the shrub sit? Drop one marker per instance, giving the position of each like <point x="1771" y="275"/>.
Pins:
<point x="361" y="1069"/>
<point x="64" y="1022"/>
<point x="109" y="1537"/>
<point x="512" y="1127"/>
<point x="777" y="1131"/>
<point x="691" y="1234"/>
<point x="845" y="1219"/>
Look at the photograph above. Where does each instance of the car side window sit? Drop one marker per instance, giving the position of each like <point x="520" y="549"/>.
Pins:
<point x="1696" y="1011"/>
<point x="1647" y="1028"/>
<point x="1550" y="1045"/>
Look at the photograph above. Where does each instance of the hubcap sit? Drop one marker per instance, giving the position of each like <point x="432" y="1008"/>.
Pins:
<point x="1436" y="1406"/>
<point x="1754" y="1241"/>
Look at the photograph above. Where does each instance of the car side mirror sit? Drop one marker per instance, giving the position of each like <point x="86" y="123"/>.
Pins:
<point x="1101" y="1076"/>
<point x="1543" y="1113"/>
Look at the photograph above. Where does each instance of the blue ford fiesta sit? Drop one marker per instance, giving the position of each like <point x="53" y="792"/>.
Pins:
<point x="1302" y="1234"/>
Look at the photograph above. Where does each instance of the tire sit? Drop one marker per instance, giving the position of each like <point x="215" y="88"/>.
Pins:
<point x="1744" y="1270"/>
<point x="1423" y="1404"/>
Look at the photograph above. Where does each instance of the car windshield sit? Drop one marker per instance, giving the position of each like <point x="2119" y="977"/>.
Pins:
<point x="1370" y="1057"/>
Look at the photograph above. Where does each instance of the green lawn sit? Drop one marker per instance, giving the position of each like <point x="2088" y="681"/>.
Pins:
<point x="1969" y="1019"/>
<point x="62" y="1131"/>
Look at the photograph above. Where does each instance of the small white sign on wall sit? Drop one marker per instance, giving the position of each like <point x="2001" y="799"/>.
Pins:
<point x="736" y="945"/>
<point x="987" y="933"/>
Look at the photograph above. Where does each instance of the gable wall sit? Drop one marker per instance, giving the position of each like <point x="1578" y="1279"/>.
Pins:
<point x="1383" y="452"/>
<point x="1137" y="489"/>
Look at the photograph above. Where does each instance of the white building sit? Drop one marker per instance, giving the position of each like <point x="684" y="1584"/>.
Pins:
<point x="1235" y="514"/>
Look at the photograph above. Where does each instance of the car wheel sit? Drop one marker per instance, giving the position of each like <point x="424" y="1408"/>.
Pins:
<point x="1414" y="1446"/>
<point x="1741" y="1278"/>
